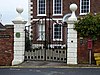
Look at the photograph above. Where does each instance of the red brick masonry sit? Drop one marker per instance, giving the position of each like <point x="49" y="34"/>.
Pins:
<point x="83" y="52"/>
<point x="6" y="45"/>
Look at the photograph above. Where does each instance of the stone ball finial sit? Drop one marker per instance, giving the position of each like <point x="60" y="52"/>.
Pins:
<point x="19" y="9"/>
<point x="19" y="19"/>
<point x="73" y="7"/>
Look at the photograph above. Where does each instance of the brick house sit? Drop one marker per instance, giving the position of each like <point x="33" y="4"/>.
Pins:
<point x="48" y="23"/>
<point x="6" y="44"/>
<point x="47" y="19"/>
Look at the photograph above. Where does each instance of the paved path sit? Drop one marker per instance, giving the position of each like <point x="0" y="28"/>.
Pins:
<point x="42" y="63"/>
<point x="48" y="64"/>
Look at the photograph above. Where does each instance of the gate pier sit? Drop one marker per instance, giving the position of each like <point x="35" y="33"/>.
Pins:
<point x="19" y="38"/>
<point x="72" y="37"/>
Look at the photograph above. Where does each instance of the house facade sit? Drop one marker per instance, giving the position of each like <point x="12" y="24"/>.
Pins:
<point x="48" y="33"/>
<point x="49" y="28"/>
<point x="47" y="20"/>
<point x="51" y="15"/>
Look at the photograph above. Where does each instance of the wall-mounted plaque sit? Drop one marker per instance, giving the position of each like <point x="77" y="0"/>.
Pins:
<point x="18" y="34"/>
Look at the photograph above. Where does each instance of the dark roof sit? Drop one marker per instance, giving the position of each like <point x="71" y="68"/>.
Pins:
<point x="2" y="27"/>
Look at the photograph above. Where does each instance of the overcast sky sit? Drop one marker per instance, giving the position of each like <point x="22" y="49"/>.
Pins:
<point x="8" y="10"/>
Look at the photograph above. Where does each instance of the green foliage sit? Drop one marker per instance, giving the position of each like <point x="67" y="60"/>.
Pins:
<point x="88" y="26"/>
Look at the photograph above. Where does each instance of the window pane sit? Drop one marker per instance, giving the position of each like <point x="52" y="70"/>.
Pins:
<point x="57" y="6"/>
<point x="41" y="32"/>
<point x="84" y="6"/>
<point x="57" y="31"/>
<point x="41" y="7"/>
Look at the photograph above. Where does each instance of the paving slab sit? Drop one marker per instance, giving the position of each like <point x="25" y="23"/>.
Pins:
<point x="42" y="63"/>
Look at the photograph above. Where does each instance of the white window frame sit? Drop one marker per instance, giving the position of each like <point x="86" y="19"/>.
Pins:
<point x="53" y="32"/>
<point x="54" y="8"/>
<point x="41" y="30"/>
<point x="81" y="8"/>
<point x="38" y="9"/>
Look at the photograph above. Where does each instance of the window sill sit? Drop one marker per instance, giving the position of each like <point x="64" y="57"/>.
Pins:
<point x="57" y="39"/>
<point x="41" y="15"/>
<point x="57" y="15"/>
<point x="40" y="39"/>
<point x="83" y="14"/>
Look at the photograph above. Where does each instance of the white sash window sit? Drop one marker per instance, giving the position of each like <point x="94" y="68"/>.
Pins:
<point x="57" y="7"/>
<point x="84" y="7"/>
<point x="41" y="7"/>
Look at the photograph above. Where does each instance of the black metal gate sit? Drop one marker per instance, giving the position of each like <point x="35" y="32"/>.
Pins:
<point x="46" y="49"/>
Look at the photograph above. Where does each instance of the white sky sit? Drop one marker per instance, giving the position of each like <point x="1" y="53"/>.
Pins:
<point x="8" y="10"/>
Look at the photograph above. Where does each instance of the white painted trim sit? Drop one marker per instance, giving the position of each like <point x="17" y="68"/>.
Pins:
<point x="29" y="11"/>
<point x="31" y="16"/>
<point x="80" y="8"/>
<point x="41" y="14"/>
<point x="51" y="45"/>
<point x="82" y="13"/>
<point x="57" y="14"/>
<point x="48" y="19"/>
<point x="31" y="3"/>
<point x="37" y="6"/>
<point x="31" y="7"/>
<point x="61" y="9"/>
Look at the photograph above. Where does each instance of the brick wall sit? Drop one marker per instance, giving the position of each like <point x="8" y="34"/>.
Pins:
<point x="83" y="52"/>
<point x="6" y="45"/>
<point x="95" y="6"/>
<point x="97" y="45"/>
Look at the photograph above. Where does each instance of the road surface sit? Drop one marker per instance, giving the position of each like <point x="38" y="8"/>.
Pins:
<point x="49" y="71"/>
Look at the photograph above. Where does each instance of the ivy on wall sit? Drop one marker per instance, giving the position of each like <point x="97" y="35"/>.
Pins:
<point x="88" y="26"/>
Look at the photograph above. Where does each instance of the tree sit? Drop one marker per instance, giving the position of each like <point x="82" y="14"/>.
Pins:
<point x="88" y="26"/>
